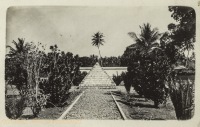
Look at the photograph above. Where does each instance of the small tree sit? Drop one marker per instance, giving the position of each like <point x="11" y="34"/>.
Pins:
<point x="147" y="65"/>
<point x="25" y="70"/>
<point x="62" y="70"/>
<point x="36" y="98"/>
<point x="128" y="81"/>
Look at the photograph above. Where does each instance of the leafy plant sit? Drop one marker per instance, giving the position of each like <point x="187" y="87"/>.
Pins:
<point x="128" y="81"/>
<point x="23" y="70"/>
<point x="15" y="68"/>
<point x="14" y="107"/>
<point x="79" y="77"/>
<point x="181" y="82"/>
<point x="62" y="71"/>
<point x="117" y="79"/>
<point x="147" y="65"/>
<point x="182" y="35"/>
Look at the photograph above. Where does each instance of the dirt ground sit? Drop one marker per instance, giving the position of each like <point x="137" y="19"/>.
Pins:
<point x="140" y="108"/>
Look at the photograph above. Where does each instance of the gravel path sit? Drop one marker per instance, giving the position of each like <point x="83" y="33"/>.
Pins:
<point x="95" y="104"/>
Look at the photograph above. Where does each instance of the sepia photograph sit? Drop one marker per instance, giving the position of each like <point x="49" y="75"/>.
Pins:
<point x="100" y="63"/>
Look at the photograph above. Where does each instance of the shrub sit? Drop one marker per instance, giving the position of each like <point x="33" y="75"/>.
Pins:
<point x="79" y="77"/>
<point x="35" y="103"/>
<point x="127" y="78"/>
<point x="59" y="87"/>
<point x="14" y="107"/>
<point x="62" y="71"/>
<point x="147" y="73"/>
<point x="150" y="77"/>
<point x="117" y="79"/>
<point x="182" y="93"/>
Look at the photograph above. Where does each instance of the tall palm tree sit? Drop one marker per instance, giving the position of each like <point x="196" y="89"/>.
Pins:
<point x="97" y="41"/>
<point x="148" y="64"/>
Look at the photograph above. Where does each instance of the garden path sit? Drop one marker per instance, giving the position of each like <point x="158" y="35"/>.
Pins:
<point x="95" y="104"/>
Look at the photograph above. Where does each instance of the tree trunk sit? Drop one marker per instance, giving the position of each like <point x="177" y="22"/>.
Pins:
<point x="187" y="61"/>
<point x="100" y="62"/>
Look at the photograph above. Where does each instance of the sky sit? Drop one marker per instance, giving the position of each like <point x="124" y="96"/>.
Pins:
<point x="71" y="28"/>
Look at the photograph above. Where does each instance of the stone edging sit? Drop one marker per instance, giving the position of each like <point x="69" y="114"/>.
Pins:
<point x="70" y="107"/>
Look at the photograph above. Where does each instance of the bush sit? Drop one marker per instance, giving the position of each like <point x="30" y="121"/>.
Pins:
<point x="57" y="88"/>
<point x="127" y="78"/>
<point x="182" y="94"/>
<point x="14" y="107"/>
<point x="117" y="79"/>
<point x="150" y="77"/>
<point x="147" y="73"/>
<point x="62" y="69"/>
<point x="30" y="100"/>
<point x="79" y="77"/>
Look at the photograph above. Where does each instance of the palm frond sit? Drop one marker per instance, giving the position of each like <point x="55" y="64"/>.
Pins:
<point x="11" y="48"/>
<point x="133" y="36"/>
<point x="15" y="43"/>
<point x="97" y="39"/>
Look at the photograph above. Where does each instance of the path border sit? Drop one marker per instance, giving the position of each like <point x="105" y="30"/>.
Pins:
<point x="70" y="107"/>
<point x="120" y="110"/>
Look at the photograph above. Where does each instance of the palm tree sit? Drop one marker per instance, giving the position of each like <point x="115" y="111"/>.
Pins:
<point x="97" y="41"/>
<point x="145" y="64"/>
<point x="147" y="38"/>
<point x="16" y="70"/>
<point x="20" y="47"/>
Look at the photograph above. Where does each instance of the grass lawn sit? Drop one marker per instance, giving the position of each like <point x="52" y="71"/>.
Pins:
<point x="142" y="109"/>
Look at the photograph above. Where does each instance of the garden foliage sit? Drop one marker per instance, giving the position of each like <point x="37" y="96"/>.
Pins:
<point x="147" y="65"/>
<point x="27" y="64"/>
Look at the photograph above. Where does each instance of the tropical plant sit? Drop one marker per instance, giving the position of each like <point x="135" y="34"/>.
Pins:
<point x="62" y="69"/>
<point x="14" y="107"/>
<point x="147" y="39"/>
<point x="34" y="96"/>
<point x="147" y="65"/>
<point x="15" y="68"/>
<point x="97" y="41"/>
<point x="181" y="81"/>
<point x="128" y="81"/>
<point x="20" y="47"/>
<point x="182" y="35"/>
<point x="117" y="79"/>
<point x="23" y="69"/>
